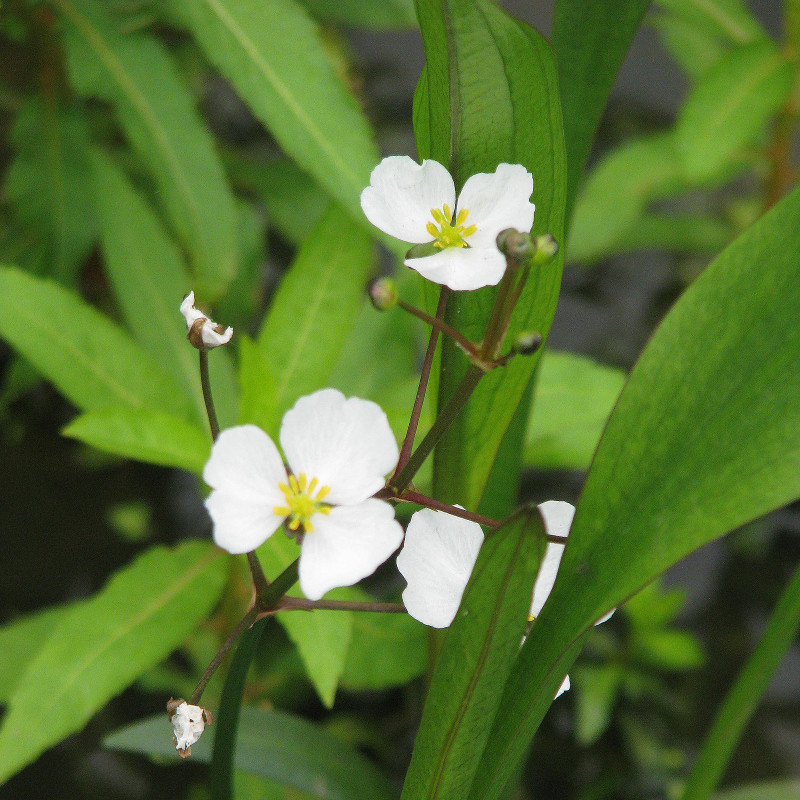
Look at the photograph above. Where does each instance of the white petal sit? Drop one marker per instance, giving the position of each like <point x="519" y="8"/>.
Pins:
<point x="557" y="516"/>
<point x="606" y="617"/>
<point x="188" y="724"/>
<point x="190" y="313"/>
<point x="347" y="545"/>
<point x="401" y="195"/>
<point x="462" y="268"/>
<point x="346" y="443"/>
<point x="563" y="688"/>
<point x="497" y="201"/>
<point x="240" y="524"/>
<point x="437" y="558"/>
<point x="214" y="338"/>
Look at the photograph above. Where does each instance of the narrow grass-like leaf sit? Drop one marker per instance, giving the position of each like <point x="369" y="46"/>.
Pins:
<point x="135" y="73"/>
<point x="491" y="97"/>
<point x="273" y="56"/>
<point x="705" y="437"/>
<point x="87" y="358"/>
<point x="744" y="695"/>
<point x="46" y="181"/>
<point x="474" y="661"/>
<point x="105" y="643"/>
<point x="275" y="745"/>
<point x="145" y="435"/>
<point x="309" y="320"/>
<point x="590" y="40"/>
<point x="730" y="107"/>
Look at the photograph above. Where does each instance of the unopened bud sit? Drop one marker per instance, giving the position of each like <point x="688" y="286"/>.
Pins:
<point x="545" y="250"/>
<point x="517" y="247"/>
<point x="527" y="343"/>
<point x="204" y="334"/>
<point x="383" y="293"/>
<point x="188" y="723"/>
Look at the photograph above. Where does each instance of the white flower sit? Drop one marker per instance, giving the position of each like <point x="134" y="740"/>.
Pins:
<point x="188" y="722"/>
<point x="417" y="204"/>
<point x="440" y="551"/>
<point x="338" y="451"/>
<point x="210" y="333"/>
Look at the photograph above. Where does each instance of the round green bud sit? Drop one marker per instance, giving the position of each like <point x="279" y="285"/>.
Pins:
<point x="383" y="293"/>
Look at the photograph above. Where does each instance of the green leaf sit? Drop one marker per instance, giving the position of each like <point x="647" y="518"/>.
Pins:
<point x="21" y="640"/>
<point x="135" y="73"/>
<point x="88" y="359"/>
<point x="275" y="745"/>
<point x="105" y="643"/>
<point x="46" y="181"/>
<point x="729" y="20"/>
<point x="590" y="40"/>
<point x="143" y="434"/>
<point x="694" y="50"/>
<point x="574" y="397"/>
<point x="491" y="97"/>
<point x="775" y="790"/>
<point x="705" y="437"/>
<point x="668" y="650"/>
<point x="596" y="691"/>
<point x="743" y="697"/>
<point x="308" y="322"/>
<point x="474" y="661"/>
<point x="374" y="14"/>
<point x="273" y="56"/>
<point x="730" y="107"/>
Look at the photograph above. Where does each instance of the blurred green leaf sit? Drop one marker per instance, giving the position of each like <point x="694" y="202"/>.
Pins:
<point x="730" y="107"/>
<point x="135" y="73"/>
<point x="596" y="691"/>
<point x="705" y="437"/>
<point x="654" y="607"/>
<point x="729" y="20"/>
<point x="678" y="232"/>
<point x="491" y="97"/>
<point x="20" y="641"/>
<point x="100" y="648"/>
<point x="275" y="745"/>
<point x="273" y="56"/>
<point x="694" y="49"/>
<point x="91" y="361"/>
<point x="574" y="397"/>
<point x="775" y="790"/>
<point x="477" y="654"/>
<point x="308" y="322"/>
<point x="375" y="14"/>
<point x="145" y="435"/>
<point x="46" y="181"/>
<point x="590" y="41"/>
<point x="668" y="650"/>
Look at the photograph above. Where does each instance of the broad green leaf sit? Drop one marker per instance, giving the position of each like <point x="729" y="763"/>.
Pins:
<point x="729" y="20"/>
<point x="105" y="643"/>
<point x="475" y="660"/>
<point x="681" y="233"/>
<point x="618" y="191"/>
<point x="730" y="107"/>
<point x="574" y="397"/>
<point x="491" y="97"/>
<point x="590" y="40"/>
<point x="21" y="640"/>
<point x="91" y="361"/>
<point x="273" y="56"/>
<point x="705" y="437"/>
<point x="775" y="790"/>
<point x="743" y="697"/>
<point x="322" y="637"/>
<point x="135" y="73"/>
<point x="694" y="49"/>
<point x="275" y="745"/>
<point x="145" y="435"/>
<point x="374" y="14"/>
<point x="46" y="181"/>
<point x="596" y="689"/>
<point x="308" y="322"/>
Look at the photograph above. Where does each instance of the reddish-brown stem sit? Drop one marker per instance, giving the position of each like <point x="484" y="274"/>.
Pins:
<point x="435" y="322"/>
<point x="300" y="603"/>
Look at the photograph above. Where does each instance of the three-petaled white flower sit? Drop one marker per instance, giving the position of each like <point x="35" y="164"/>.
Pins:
<point x="210" y="334"/>
<point x="440" y="551"/>
<point x="417" y="204"/>
<point x="338" y="451"/>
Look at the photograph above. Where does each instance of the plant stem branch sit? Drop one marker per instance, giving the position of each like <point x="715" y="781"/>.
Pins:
<point x="207" y="397"/>
<point x="437" y="323"/>
<point x="300" y="603"/>
<point x="260" y="582"/>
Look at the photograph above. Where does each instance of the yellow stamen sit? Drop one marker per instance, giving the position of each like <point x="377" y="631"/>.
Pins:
<point x="303" y="500"/>
<point x="448" y="232"/>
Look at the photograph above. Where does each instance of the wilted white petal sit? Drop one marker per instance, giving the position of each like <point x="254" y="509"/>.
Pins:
<point x="187" y="723"/>
<point x="211" y="334"/>
<point x="497" y="201"/>
<point x="437" y="558"/>
<point x="346" y="443"/>
<point x="190" y="313"/>
<point x="462" y="268"/>
<point x="347" y="545"/>
<point x="401" y="195"/>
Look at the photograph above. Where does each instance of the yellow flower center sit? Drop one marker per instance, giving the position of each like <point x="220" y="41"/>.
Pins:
<point x="448" y="232"/>
<point x="303" y="500"/>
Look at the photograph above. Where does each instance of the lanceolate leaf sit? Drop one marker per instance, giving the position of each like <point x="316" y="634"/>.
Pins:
<point x="105" y="643"/>
<point x="272" y="54"/>
<point x="491" y="96"/>
<point x="88" y="359"/>
<point x="705" y="437"/>
<point x="475" y="660"/>
<point x="135" y="73"/>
